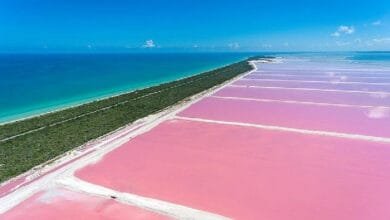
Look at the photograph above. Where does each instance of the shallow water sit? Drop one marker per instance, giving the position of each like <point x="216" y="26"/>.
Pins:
<point x="36" y="83"/>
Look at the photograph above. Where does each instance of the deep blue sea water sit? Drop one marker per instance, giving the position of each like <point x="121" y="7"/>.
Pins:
<point x="37" y="83"/>
<point x="31" y="84"/>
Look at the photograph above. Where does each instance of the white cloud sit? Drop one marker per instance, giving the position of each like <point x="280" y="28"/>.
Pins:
<point x="369" y="43"/>
<point x="342" y="43"/>
<point x="149" y="44"/>
<point x="266" y="45"/>
<point x="234" y="45"/>
<point x="343" y="29"/>
<point x="376" y="23"/>
<point x="346" y="29"/>
<point x="335" y="34"/>
<point x="381" y="40"/>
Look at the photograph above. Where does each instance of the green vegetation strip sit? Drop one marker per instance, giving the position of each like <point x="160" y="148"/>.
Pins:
<point x="28" y="143"/>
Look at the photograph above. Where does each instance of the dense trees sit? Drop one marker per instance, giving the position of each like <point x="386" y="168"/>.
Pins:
<point x="25" y="144"/>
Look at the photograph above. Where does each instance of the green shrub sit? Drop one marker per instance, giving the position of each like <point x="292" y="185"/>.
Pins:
<point x="64" y="130"/>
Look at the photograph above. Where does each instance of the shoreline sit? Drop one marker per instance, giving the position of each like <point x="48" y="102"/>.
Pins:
<point x="104" y="97"/>
<point x="72" y="143"/>
<point x="64" y="165"/>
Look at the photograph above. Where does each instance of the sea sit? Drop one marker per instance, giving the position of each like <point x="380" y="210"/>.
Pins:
<point x="32" y="84"/>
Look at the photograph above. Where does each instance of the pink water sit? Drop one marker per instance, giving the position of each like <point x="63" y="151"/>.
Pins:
<point x="312" y="117"/>
<point x="243" y="172"/>
<point x="250" y="173"/>
<point x="63" y="204"/>
<point x="324" y="77"/>
<point x="314" y="85"/>
<point x="364" y="99"/>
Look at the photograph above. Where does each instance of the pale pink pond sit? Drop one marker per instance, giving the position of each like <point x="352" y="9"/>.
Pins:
<point x="313" y="85"/>
<point x="366" y="99"/>
<point x="325" y="78"/>
<point x="326" y="72"/>
<point x="63" y="204"/>
<point x="353" y="120"/>
<point x="250" y="173"/>
<point x="244" y="172"/>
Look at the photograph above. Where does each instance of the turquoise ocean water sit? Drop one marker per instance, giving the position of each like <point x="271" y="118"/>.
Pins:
<point x="32" y="84"/>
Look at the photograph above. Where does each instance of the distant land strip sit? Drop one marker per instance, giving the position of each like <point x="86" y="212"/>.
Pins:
<point x="27" y="143"/>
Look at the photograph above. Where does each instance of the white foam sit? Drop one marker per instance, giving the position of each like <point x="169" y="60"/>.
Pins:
<point x="343" y="78"/>
<point x="50" y="195"/>
<point x="378" y="113"/>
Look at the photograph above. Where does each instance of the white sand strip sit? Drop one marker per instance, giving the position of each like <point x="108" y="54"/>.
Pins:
<point x="165" y="208"/>
<point x="296" y="130"/>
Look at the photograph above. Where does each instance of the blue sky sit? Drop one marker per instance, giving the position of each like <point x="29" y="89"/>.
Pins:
<point x="184" y="25"/>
